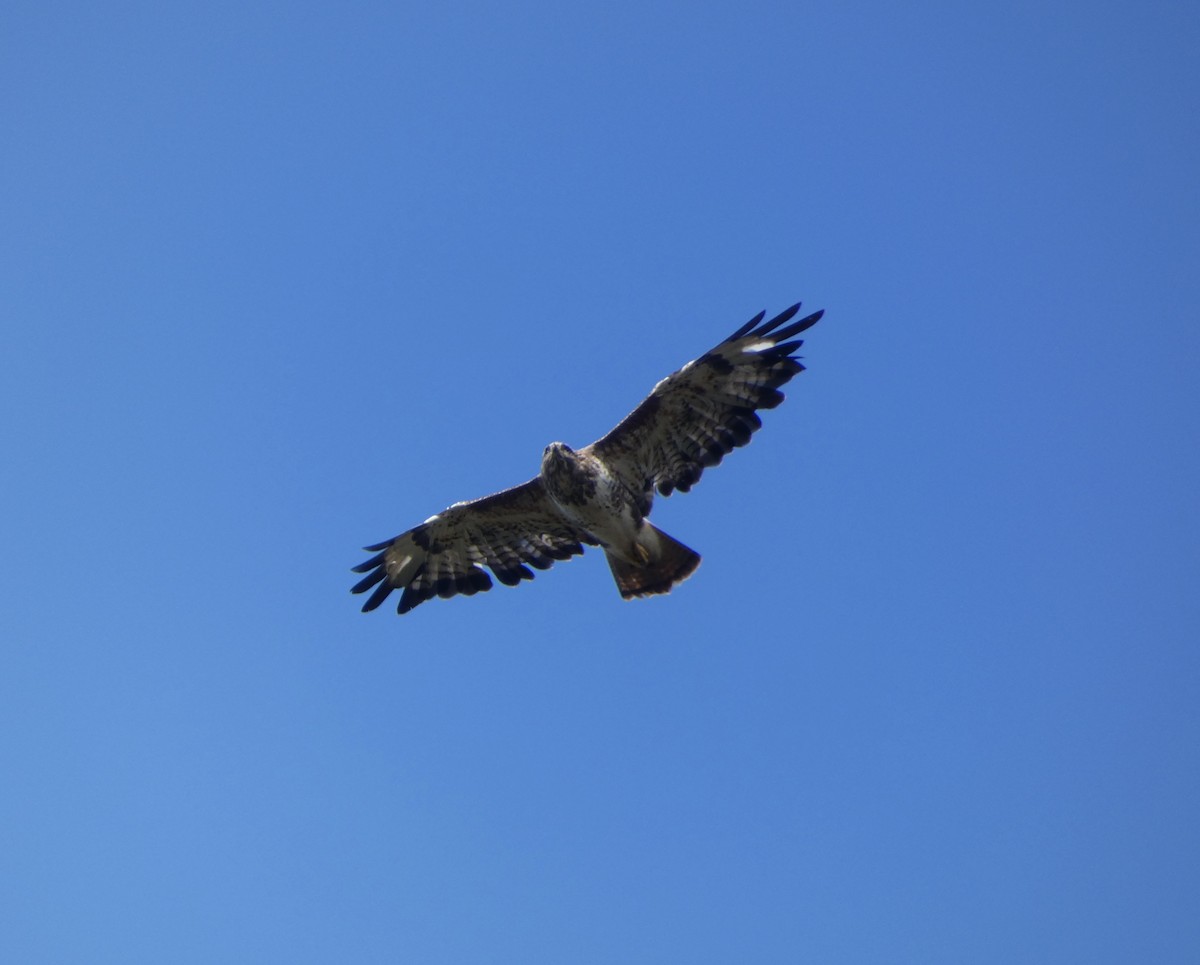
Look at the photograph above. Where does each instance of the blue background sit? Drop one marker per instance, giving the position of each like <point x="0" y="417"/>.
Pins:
<point x="280" y="280"/>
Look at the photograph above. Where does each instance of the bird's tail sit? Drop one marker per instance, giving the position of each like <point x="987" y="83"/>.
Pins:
<point x="665" y="562"/>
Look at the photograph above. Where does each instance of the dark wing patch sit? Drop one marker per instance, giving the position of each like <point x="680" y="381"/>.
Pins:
<point x="696" y="416"/>
<point x="445" y="555"/>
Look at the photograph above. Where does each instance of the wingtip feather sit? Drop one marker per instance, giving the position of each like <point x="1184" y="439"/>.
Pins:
<point x="381" y="593"/>
<point x="747" y="327"/>
<point x="369" y="581"/>
<point x="782" y="318"/>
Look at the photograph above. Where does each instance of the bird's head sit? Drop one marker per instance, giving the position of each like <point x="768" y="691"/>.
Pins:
<point x="556" y="454"/>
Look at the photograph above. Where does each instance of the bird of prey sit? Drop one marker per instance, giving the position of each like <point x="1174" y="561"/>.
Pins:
<point x="601" y="495"/>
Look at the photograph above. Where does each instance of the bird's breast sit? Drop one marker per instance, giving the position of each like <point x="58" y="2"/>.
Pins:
<point x="591" y="498"/>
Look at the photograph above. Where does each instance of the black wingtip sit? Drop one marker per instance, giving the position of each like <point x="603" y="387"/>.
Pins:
<point x="810" y="320"/>
<point x="756" y="326"/>
<point x="797" y="327"/>
<point x="370" y="564"/>
<point x="369" y="581"/>
<point x="381" y="593"/>
<point x="747" y="327"/>
<point x="411" y="598"/>
<point x="782" y="318"/>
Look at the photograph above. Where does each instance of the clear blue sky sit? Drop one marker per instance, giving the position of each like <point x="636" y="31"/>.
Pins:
<point x="280" y="280"/>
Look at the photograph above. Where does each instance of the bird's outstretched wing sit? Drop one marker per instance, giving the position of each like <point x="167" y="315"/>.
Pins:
<point x="446" y="554"/>
<point x="695" y="416"/>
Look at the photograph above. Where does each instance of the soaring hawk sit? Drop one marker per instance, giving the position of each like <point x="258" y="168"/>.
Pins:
<point x="601" y="495"/>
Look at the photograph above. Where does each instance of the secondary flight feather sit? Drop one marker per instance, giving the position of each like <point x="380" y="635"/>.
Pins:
<point x="601" y="495"/>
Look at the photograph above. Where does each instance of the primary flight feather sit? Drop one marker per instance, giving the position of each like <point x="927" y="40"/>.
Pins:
<point x="601" y="495"/>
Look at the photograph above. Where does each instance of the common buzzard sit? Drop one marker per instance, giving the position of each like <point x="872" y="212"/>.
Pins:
<point x="601" y="495"/>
